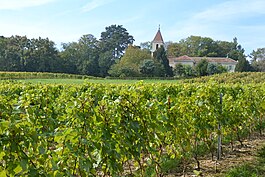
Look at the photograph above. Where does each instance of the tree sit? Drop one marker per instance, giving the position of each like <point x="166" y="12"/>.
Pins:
<point x="237" y="52"/>
<point x="184" y="70"/>
<point x="115" y="39"/>
<point x="88" y="57"/>
<point x="124" y="71"/>
<point x="215" y="69"/>
<point x="179" y="70"/>
<point x="146" y="45"/>
<point x="258" y="59"/>
<point x="197" y="46"/>
<point x="189" y="71"/>
<point x="14" y="53"/>
<point x="105" y="62"/>
<point x="82" y="57"/>
<point x="161" y="56"/>
<point x="258" y="55"/>
<point x="3" y="49"/>
<point x="243" y="65"/>
<point x="43" y="56"/>
<point x="113" y="43"/>
<point x="193" y="46"/>
<point x="147" y="67"/>
<point x="201" y="67"/>
<point x="131" y="60"/>
<point x="69" y="57"/>
<point x="175" y="50"/>
<point x="18" y="53"/>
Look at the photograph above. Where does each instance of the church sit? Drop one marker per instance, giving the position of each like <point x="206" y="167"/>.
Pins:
<point x="158" y="41"/>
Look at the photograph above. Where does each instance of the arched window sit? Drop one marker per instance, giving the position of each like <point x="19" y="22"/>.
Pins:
<point x="157" y="46"/>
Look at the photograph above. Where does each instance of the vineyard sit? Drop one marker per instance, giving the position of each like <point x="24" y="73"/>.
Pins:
<point x="40" y="75"/>
<point x="121" y="130"/>
<point x="231" y="78"/>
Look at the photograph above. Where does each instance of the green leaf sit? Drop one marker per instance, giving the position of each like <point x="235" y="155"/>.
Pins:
<point x="24" y="164"/>
<point x="42" y="150"/>
<point x="3" y="126"/>
<point x="2" y="154"/>
<point x="3" y="173"/>
<point x="18" y="169"/>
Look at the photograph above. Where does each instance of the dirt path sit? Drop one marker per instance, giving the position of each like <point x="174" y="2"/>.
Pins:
<point x="230" y="158"/>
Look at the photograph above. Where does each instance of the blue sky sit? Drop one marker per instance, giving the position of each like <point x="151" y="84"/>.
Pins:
<point x="67" y="20"/>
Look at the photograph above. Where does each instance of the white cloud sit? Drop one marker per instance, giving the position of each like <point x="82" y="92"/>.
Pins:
<point x="232" y="9"/>
<point x="93" y="4"/>
<point x="225" y="21"/>
<point x="19" y="4"/>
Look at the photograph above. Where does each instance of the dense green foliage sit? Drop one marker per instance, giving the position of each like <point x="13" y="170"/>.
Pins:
<point x="258" y="59"/>
<point x="96" y="129"/>
<point x="18" y="53"/>
<point x="129" y="64"/>
<point x="238" y="77"/>
<point x="101" y="57"/>
<point x="87" y="56"/>
<point x="138" y="62"/>
<point x="160" y="56"/>
<point x="197" y="46"/>
<point x="202" y="68"/>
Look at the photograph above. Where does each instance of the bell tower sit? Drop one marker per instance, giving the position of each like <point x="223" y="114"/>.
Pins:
<point x="157" y="41"/>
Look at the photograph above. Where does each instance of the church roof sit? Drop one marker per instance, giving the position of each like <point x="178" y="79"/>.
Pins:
<point x="158" y="37"/>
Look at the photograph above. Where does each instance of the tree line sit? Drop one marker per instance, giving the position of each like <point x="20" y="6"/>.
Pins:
<point x="113" y="54"/>
<point x="88" y="56"/>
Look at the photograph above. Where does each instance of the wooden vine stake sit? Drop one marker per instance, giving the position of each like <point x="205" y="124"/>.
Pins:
<point x="219" y="147"/>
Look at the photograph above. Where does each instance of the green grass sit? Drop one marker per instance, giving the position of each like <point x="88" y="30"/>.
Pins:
<point x="99" y="81"/>
<point x="53" y="81"/>
<point x="250" y="169"/>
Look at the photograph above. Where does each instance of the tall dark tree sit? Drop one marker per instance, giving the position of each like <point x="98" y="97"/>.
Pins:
<point x="115" y="39"/>
<point x="161" y="56"/>
<point x="22" y="54"/>
<point x="13" y="54"/>
<point x="113" y="43"/>
<point x="243" y="65"/>
<point x="82" y="57"/>
<point x="236" y="52"/>
<point x="69" y="57"/>
<point x="3" y="48"/>
<point x="43" y="56"/>
<point x="105" y="62"/>
<point x="147" y="68"/>
<point x="88" y="55"/>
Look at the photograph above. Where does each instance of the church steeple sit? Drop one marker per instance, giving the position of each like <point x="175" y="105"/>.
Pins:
<point x="157" y="41"/>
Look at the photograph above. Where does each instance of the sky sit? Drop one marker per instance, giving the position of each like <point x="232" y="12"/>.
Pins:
<point x="64" y="21"/>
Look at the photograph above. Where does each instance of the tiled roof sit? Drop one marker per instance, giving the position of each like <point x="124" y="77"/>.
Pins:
<point x="215" y="59"/>
<point x="158" y="38"/>
<point x="184" y="58"/>
<point x="197" y="59"/>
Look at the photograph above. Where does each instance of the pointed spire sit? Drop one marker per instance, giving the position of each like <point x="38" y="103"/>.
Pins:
<point x="158" y="37"/>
